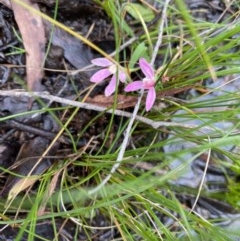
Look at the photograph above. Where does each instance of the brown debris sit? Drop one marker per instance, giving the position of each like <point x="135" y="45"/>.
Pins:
<point x="123" y="101"/>
<point x="33" y="36"/>
<point x="30" y="164"/>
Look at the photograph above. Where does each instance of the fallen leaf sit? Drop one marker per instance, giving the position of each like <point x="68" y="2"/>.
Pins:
<point x="6" y="3"/>
<point x="33" y="36"/>
<point x="26" y="167"/>
<point x="123" y="101"/>
<point x="173" y="91"/>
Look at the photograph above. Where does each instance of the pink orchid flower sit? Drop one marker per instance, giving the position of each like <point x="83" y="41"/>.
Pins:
<point x="148" y="83"/>
<point x="102" y="74"/>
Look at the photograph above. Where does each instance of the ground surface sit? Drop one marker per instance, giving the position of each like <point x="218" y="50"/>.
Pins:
<point x="26" y="133"/>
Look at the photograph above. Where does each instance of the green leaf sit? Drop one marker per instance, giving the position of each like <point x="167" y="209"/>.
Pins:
<point x="146" y="13"/>
<point x="139" y="51"/>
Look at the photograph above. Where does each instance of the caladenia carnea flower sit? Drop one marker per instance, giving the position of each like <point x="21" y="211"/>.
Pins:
<point x="109" y="69"/>
<point x="147" y="83"/>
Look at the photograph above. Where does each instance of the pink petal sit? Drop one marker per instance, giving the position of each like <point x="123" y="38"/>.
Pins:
<point x="103" y="62"/>
<point x="136" y="85"/>
<point x="100" y="75"/>
<point x="146" y="68"/>
<point x="122" y="76"/>
<point x="111" y="86"/>
<point x="151" y="96"/>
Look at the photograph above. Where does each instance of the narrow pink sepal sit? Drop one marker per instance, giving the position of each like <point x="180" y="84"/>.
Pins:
<point x="100" y="75"/>
<point x="103" y="62"/>
<point x="146" y="68"/>
<point x="135" y="85"/>
<point x="151" y="97"/>
<point x="111" y="87"/>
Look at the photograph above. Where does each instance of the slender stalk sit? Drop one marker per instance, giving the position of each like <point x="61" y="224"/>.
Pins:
<point x="134" y="114"/>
